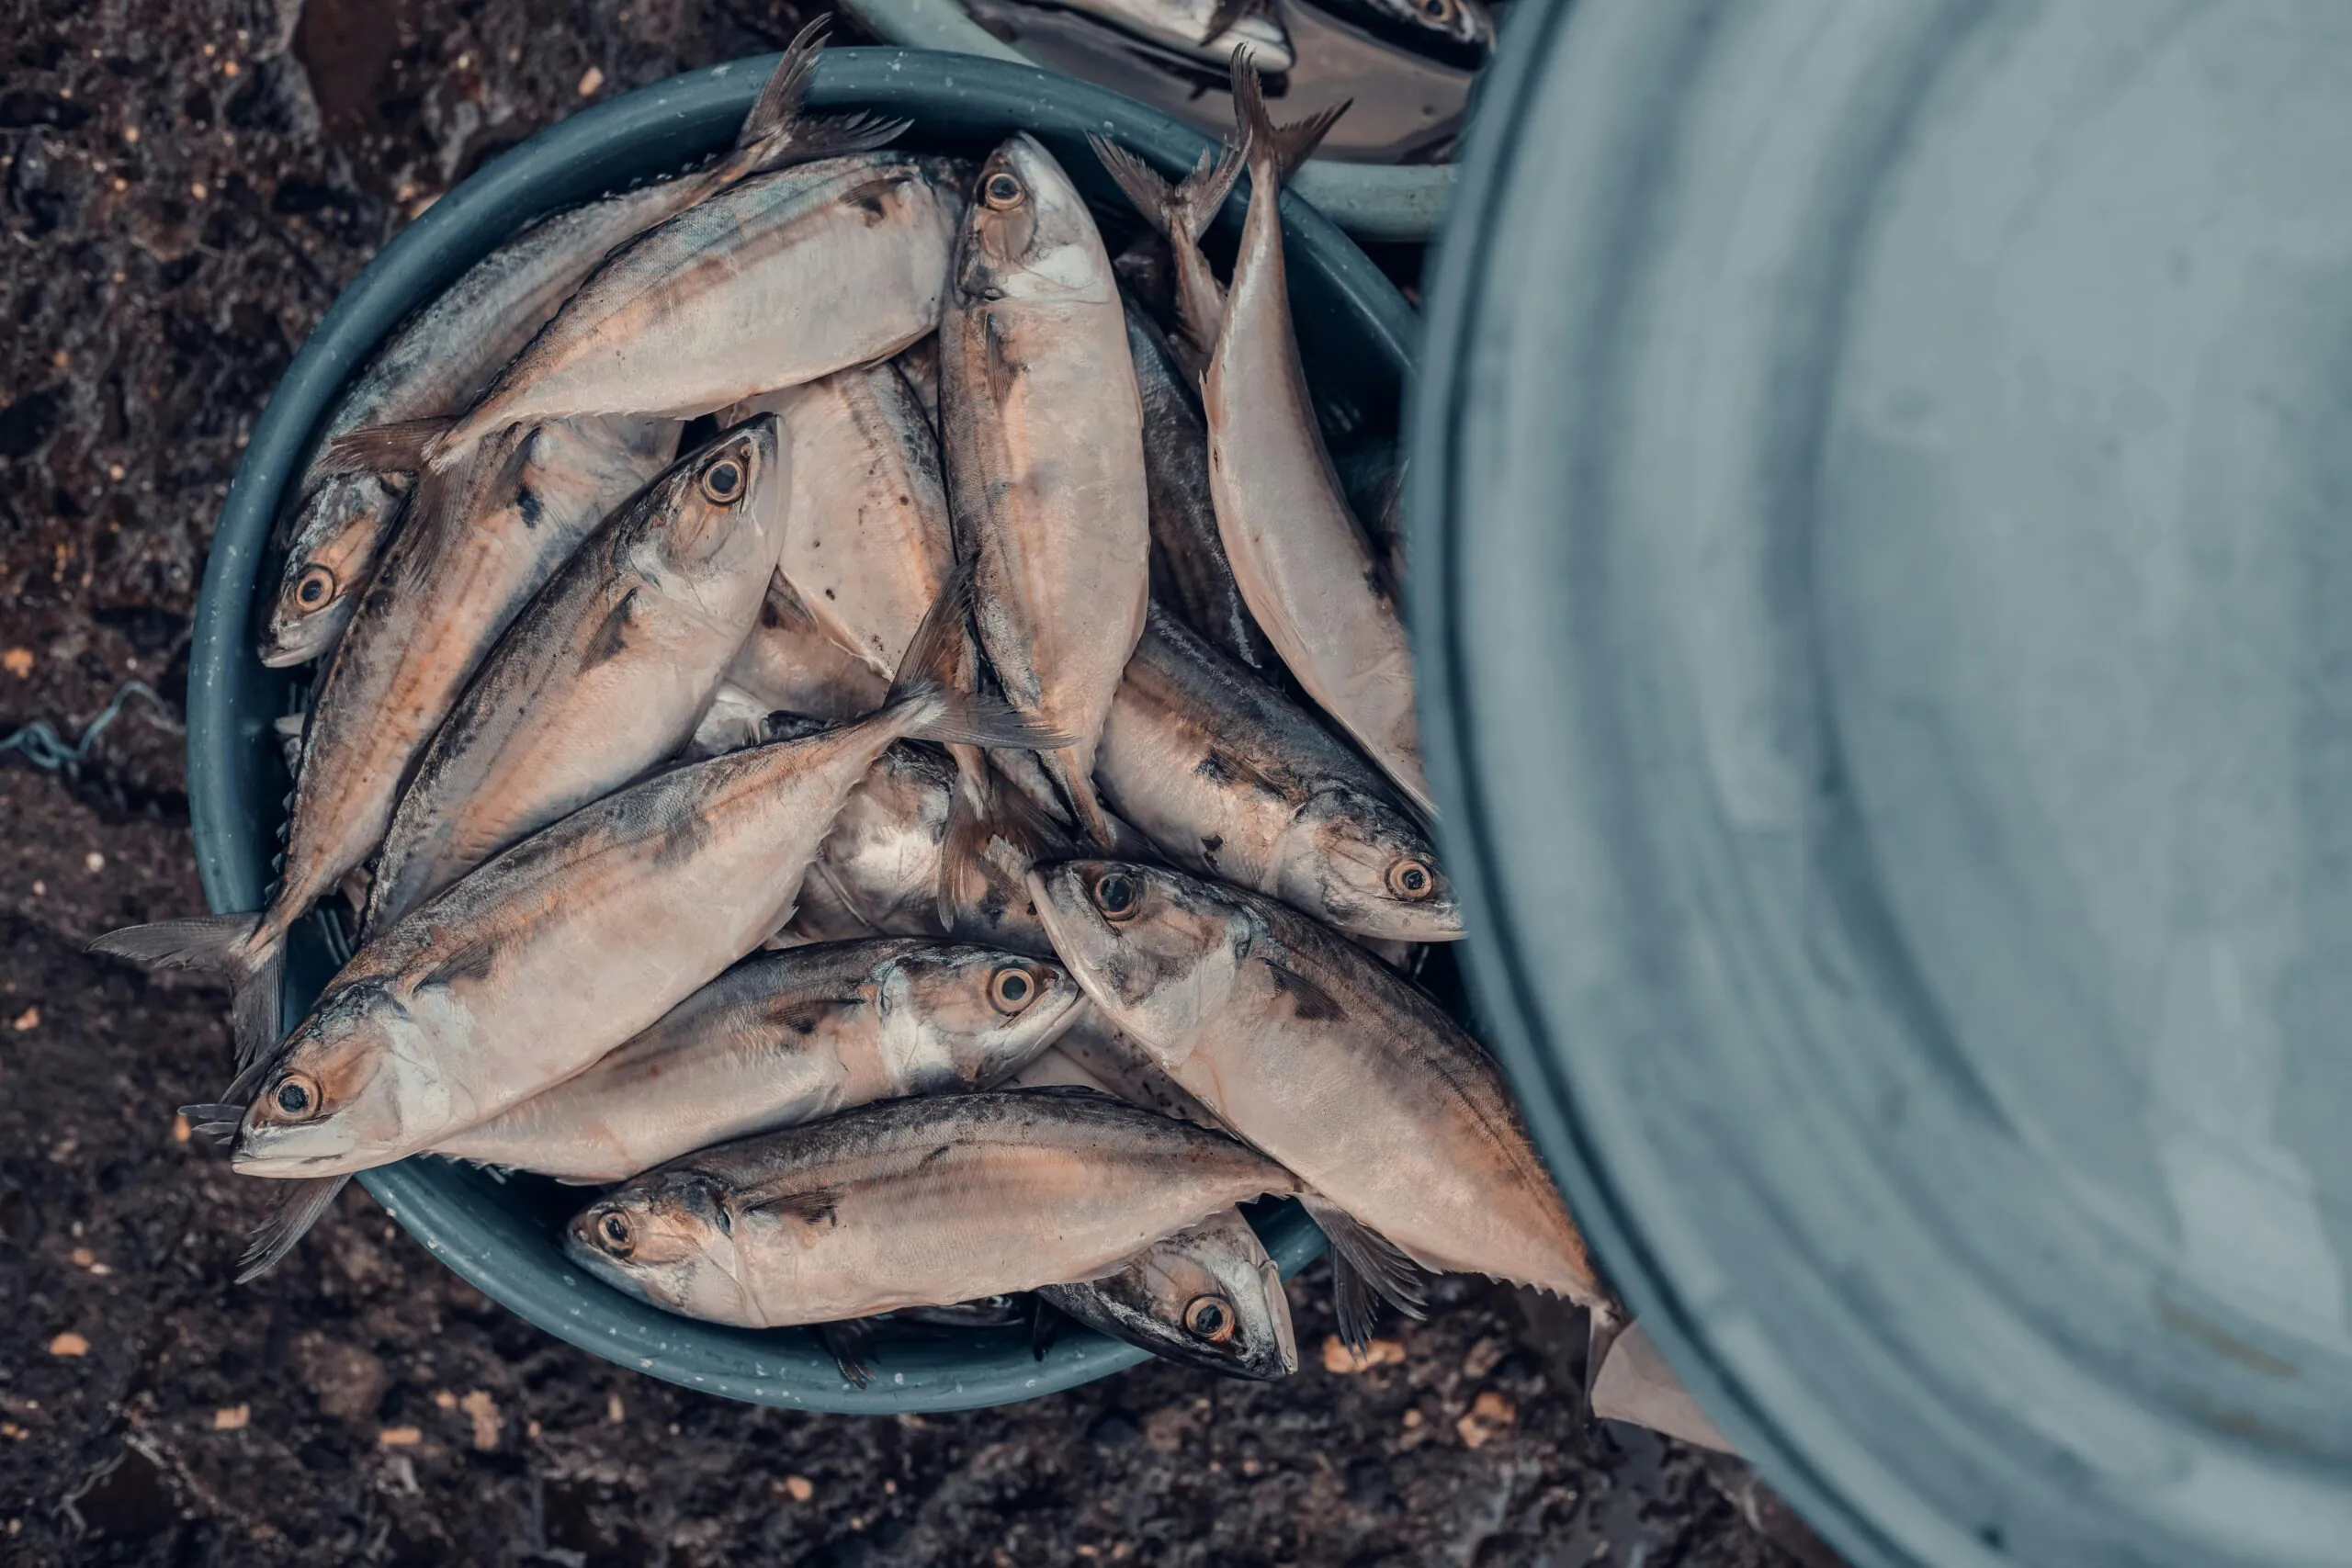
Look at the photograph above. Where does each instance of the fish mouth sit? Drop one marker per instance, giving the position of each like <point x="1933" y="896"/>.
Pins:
<point x="1076" y="931"/>
<point x="325" y="1148"/>
<point x="589" y="1257"/>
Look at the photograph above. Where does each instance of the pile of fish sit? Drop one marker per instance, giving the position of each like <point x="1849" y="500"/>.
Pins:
<point x="842" y="734"/>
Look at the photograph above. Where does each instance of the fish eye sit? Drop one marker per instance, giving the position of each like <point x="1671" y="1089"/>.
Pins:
<point x="296" y="1096"/>
<point x="1003" y="191"/>
<point x="1411" y="879"/>
<point x="1437" y="10"/>
<point x="1010" y="989"/>
<point x="1210" y="1318"/>
<point x="722" y="482"/>
<point x="1116" y="895"/>
<point x="619" y="1237"/>
<point x="314" y="587"/>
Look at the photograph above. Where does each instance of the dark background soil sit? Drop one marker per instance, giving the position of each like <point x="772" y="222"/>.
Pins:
<point x="184" y="187"/>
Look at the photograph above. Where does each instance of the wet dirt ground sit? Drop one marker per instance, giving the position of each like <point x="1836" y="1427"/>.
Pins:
<point x="184" y="187"/>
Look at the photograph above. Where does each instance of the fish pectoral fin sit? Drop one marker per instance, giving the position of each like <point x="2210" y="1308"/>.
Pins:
<point x="216" y="1121"/>
<point x="851" y="1344"/>
<point x="816" y="1207"/>
<point x="1310" y="1001"/>
<point x="1366" y="1267"/>
<point x="301" y="1204"/>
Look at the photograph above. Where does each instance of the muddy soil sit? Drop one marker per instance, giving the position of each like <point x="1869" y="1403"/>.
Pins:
<point x="185" y="185"/>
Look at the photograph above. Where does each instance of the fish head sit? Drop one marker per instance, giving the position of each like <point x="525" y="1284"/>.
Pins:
<point x="722" y="502"/>
<point x="974" y="1015"/>
<point x="1210" y="1297"/>
<point x="1157" y="950"/>
<point x="1028" y="235"/>
<point x="336" y="535"/>
<point x="347" y="1091"/>
<point x="668" y="1238"/>
<point x="1364" y="865"/>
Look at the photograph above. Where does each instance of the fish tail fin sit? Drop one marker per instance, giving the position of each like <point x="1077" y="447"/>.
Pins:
<point x="1605" y="1324"/>
<point x="1275" y="151"/>
<point x="247" y="949"/>
<point x="930" y="699"/>
<point x="1182" y="211"/>
<point x="400" y="446"/>
<point x="1366" y="1267"/>
<point x="299" y="1206"/>
<point x="777" y="131"/>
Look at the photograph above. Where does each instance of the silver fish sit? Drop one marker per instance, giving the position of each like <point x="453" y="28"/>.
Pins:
<point x="1044" y="446"/>
<point x="1213" y="31"/>
<point x="867" y="544"/>
<point x="1188" y="572"/>
<point x="778" y="280"/>
<point x="479" y="541"/>
<point x="911" y="1203"/>
<point x="1229" y="779"/>
<point x="1308" y="574"/>
<point x="1207" y="1296"/>
<point x="447" y="354"/>
<point x="781" y="1040"/>
<point x="919" y="364"/>
<point x="579" y="937"/>
<point x="1091" y="1053"/>
<point x="1459" y="32"/>
<point x="789" y="664"/>
<point x="1309" y="1049"/>
<point x="605" y="674"/>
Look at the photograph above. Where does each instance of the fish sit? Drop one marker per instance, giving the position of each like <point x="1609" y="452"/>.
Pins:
<point x="774" y="281"/>
<point x="1313" y="583"/>
<point x="866" y="543"/>
<point x="1631" y="1382"/>
<point x="919" y="362"/>
<point x="789" y="664"/>
<point x="1214" y="30"/>
<point x="1207" y="1296"/>
<point x="1182" y="213"/>
<point x="1042" y="432"/>
<point x="447" y="354"/>
<point x="606" y="673"/>
<point x="783" y="1039"/>
<point x="909" y="1204"/>
<point x="478" y="543"/>
<point x="902" y="859"/>
<point x="989" y="1312"/>
<point x="1457" y="32"/>
<point x="531" y="968"/>
<point x="1091" y="1053"/>
<point x="1188" y="572"/>
<point x="1229" y="779"/>
<point x="1309" y="1049"/>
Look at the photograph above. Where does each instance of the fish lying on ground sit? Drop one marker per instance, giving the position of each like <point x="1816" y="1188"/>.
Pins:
<point x="1207" y="1296"/>
<point x="1230" y="780"/>
<point x="783" y="1039"/>
<point x="912" y="1203"/>
<point x="603" y="675"/>
<point x="445" y="356"/>
<point x="478" y="543"/>
<point x="1312" y="1051"/>
<point x="1042" y="432"/>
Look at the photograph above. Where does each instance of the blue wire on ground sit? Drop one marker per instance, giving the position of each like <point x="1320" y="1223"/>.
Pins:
<point x="46" y="749"/>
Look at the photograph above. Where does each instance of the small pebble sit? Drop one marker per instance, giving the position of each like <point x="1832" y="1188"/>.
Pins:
<point x="399" y="1437"/>
<point x="30" y="1017"/>
<point x="18" y="661"/>
<point x="68" y="1344"/>
<point x="613" y="1411"/>
<point x="799" y="1487"/>
<point x="232" y="1418"/>
<point x="130" y="134"/>
<point x="94" y="861"/>
<point x="589" y="80"/>
<point x="1338" y="1357"/>
<point x="181" y="1130"/>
